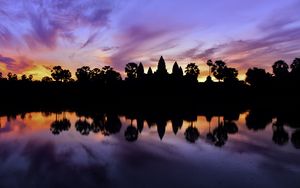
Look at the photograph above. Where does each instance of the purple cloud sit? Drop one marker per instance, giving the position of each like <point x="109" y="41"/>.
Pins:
<point x="16" y="65"/>
<point x="89" y="40"/>
<point x="6" y="60"/>
<point x="46" y="22"/>
<point x="280" y="40"/>
<point x="109" y="48"/>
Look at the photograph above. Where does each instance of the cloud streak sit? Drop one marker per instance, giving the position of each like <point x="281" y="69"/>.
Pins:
<point x="45" y="23"/>
<point x="76" y="33"/>
<point x="280" y="40"/>
<point x="6" y="60"/>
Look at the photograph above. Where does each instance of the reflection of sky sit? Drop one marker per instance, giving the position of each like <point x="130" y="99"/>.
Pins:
<point x="30" y="156"/>
<point x="37" y="34"/>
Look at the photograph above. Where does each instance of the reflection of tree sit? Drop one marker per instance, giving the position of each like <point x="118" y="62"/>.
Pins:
<point x="231" y="127"/>
<point x="296" y="139"/>
<point x="60" y="125"/>
<point x="97" y="124"/>
<point x="280" y="136"/>
<point x="112" y="124"/>
<point x="131" y="133"/>
<point x="191" y="134"/>
<point x="220" y="135"/>
<point x="256" y="120"/>
<point x="83" y="126"/>
<point x="209" y="136"/>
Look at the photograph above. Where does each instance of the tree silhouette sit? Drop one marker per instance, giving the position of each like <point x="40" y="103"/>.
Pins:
<point x="24" y="77"/>
<point x="109" y="75"/>
<point x="83" y="74"/>
<point x="60" y="75"/>
<point x="131" y="70"/>
<point x="96" y="75"/>
<point x="218" y="69"/>
<point x="57" y="73"/>
<point x="296" y="139"/>
<point x="46" y="79"/>
<point x="210" y="64"/>
<point x="257" y="77"/>
<point x="66" y="75"/>
<point x="12" y="77"/>
<point x="280" y="69"/>
<point x="192" y="71"/>
<point x="30" y="77"/>
<point x="230" y="74"/>
<point x="295" y="69"/>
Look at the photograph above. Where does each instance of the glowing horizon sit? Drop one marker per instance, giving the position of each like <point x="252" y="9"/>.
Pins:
<point x="37" y="35"/>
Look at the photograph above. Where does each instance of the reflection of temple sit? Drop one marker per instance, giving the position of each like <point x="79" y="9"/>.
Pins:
<point x="220" y="125"/>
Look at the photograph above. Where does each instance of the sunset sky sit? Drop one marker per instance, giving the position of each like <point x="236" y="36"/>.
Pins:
<point x="35" y="35"/>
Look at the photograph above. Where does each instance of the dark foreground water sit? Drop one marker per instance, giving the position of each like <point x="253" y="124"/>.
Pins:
<point x="70" y="150"/>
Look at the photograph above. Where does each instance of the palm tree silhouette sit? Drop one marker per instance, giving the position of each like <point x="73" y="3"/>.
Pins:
<point x="209" y="64"/>
<point x="280" y="136"/>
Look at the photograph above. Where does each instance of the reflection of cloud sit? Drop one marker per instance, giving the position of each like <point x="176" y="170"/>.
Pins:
<point x="271" y="157"/>
<point x="46" y="167"/>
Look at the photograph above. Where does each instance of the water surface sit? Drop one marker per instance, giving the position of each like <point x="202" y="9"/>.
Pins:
<point x="39" y="149"/>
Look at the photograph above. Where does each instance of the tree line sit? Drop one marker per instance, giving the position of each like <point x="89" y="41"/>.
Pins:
<point x="256" y="77"/>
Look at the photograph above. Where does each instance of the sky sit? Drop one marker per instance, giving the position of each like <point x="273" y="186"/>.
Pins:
<point x="36" y="35"/>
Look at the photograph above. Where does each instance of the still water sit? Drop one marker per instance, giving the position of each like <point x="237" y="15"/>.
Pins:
<point x="68" y="149"/>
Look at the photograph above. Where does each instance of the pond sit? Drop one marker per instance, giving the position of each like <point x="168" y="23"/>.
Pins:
<point x="69" y="149"/>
